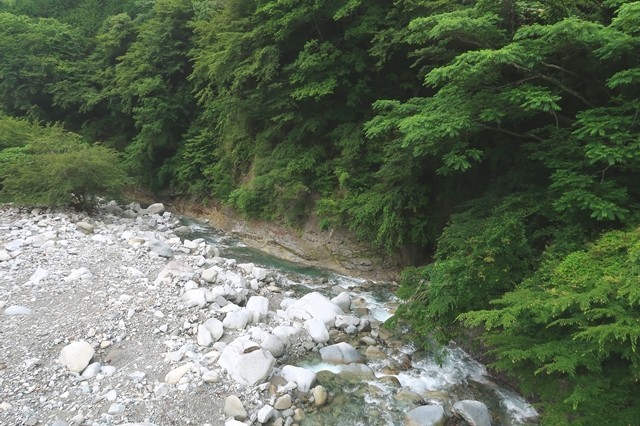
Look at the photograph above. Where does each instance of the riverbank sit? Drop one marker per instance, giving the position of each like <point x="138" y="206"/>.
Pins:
<point x="335" y="250"/>
<point x="115" y="318"/>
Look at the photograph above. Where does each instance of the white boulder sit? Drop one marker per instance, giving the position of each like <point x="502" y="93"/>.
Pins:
<point x="302" y="377"/>
<point x="340" y="353"/>
<point x="317" y="330"/>
<point x="76" y="355"/>
<point x="246" y="362"/>
<point x="314" y="305"/>
<point x="258" y="306"/>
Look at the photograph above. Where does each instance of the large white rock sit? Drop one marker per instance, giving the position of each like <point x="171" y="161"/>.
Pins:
<point x="76" y="355"/>
<point x="237" y="320"/>
<point x="302" y="377"/>
<point x="474" y="412"/>
<point x="317" y="330"/>
<point x="343" y="300"/>
<point x="215" y="327"/>
<point x="314" y="305"/>
<point x="197" y="297"/>
<point x="340" y="353"/>
<point x="156" y="208"/>
<point x="259" y="307"/>
<point x="246" y="362"/>
<point x="426" y="415"/>
<point x="259" y="273"/>
<point x="273" y="344"/>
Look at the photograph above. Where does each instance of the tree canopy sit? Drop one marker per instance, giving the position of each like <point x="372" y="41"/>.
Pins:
<point x="496" y="140"/>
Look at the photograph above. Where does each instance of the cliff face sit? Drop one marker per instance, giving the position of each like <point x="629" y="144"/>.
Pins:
<point x="335" y="250"/>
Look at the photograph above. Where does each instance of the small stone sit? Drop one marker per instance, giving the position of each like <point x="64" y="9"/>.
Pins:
<point x="91" y="370"/>
<point x="265" y="413"/>
<point x="176" y="374"/>
<point x="5" y="406"/>
<point x="210" y="275"/>
<point x="211" y="376"/>
<point x="233" y="408"/>
<point x="76" y="355"/>
<point x="116" y="409"/>
<point x="17" y="310"/>
<point x="105" y="344"/>
<point x="320" y="396"/>
<point x="85" y="227"/>
<point x="283" y="402"/>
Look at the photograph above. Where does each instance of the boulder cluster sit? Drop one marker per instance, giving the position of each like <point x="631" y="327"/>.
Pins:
<point x="120" y="318"/>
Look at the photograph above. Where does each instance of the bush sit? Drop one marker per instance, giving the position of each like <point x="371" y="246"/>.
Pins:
<point x="570" y="333"/>
<point x="54" y="167"/>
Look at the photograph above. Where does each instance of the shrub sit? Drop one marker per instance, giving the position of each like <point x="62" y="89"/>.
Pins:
<point x="54" y="167"/>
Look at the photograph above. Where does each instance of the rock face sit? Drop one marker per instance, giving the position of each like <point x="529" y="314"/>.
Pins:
<point x="76" y="356"/>
<point x="474" y="412"/>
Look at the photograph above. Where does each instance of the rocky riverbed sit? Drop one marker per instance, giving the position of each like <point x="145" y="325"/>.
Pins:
<point x="117" y="318"/>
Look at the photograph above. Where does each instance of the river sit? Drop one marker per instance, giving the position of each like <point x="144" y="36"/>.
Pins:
<point x="404" y="375"/>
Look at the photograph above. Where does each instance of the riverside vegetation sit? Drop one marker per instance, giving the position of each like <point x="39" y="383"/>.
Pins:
<point x="497" y="140"/>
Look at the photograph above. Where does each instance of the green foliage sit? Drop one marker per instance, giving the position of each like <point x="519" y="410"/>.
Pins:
<point x="52" y="167"/>
<point x="34" y="55"/>
<point x="494" y="136"/>
<point x="483" y="253"/>
<point x="574" y="325"/>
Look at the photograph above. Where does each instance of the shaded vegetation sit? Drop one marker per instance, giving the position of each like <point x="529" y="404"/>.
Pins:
<point x="498" y="137"/>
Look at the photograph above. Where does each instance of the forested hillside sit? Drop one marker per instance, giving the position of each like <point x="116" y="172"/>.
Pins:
<point x="500" y="139"/>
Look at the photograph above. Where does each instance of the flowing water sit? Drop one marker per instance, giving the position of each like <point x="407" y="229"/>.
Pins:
<point x="404" y="376"/>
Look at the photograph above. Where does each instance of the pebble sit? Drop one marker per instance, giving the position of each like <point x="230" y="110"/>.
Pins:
<point x="233" y="407"/>
<point x="116" y="409"/>
<point x="17" y="310"/>
<point x="177" y="373"/>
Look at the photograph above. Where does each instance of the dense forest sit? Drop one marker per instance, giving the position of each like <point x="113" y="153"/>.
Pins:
<point x="497" y="139"/>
